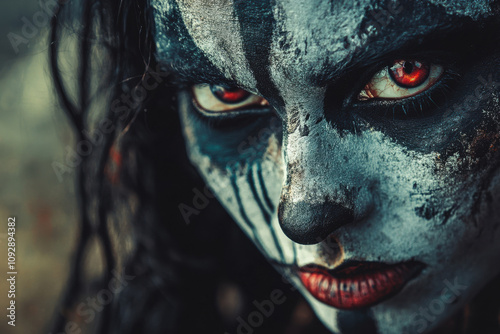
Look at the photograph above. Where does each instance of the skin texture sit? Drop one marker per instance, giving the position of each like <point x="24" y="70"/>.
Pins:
<point x="318" y="177"/>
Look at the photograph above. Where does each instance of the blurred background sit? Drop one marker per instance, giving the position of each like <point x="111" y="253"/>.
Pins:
<point x="34" y="134"/>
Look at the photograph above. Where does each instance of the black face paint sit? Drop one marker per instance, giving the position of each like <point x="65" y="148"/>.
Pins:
<point x="257" y="25"/>
<point x="177" y="50"/>
<point x="438" y="122"/>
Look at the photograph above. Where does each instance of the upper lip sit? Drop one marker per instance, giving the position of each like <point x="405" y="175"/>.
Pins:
<point x="358" y="284"/>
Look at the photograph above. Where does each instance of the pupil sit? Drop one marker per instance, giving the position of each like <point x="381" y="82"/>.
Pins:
<point x="408" y="67"/>
<point x="409" y="73"/>
<point x="229" y="95"/>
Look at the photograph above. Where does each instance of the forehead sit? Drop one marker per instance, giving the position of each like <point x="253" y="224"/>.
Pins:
<point x="243" y="42"/>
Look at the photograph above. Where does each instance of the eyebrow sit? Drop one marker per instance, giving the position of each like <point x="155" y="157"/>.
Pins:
<point x="196" y="73"/>
<point x="454" y="38"/>
<point x="177" y="52"/>
<point x="198" y="69"/>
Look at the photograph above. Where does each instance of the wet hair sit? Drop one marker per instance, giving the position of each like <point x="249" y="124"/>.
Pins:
<point x="178" y="268"/>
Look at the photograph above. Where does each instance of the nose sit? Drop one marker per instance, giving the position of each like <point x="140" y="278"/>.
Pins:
<point x="308" y="223"/>
<point x="321" y="189"/>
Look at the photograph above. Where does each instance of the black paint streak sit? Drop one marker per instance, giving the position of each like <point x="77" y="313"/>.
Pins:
<point x="244" y="214"/>
<point x="181" y="54"/>
<point x="251" y="182"/>
<point x="427" y="211"/>
<point x="356" y="322"/>
<point x="267" y="216"/>
<point x="294" y="255"/>
<point x="264" y="189"/>
<point x="257" y="24"/>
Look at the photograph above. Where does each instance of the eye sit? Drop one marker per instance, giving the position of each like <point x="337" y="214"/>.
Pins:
<point x="220" y="99"/>
<point x="402" y="79"/>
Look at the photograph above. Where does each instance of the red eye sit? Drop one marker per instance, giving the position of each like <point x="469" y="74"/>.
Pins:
<point x="409" y="73"/>
<point x="229" y="95"/>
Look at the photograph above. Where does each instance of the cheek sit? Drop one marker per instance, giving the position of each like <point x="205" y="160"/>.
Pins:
<point x="473" y="167"/>
<point x="244" y="169"/>
<point x="230" y="143"/>
<point x="250" y="194"/>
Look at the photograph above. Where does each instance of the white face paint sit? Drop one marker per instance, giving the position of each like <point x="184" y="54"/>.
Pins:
<point x="411" y="194"/>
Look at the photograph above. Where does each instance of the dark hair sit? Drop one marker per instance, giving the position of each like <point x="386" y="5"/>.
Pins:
<point x="177" y="267"/>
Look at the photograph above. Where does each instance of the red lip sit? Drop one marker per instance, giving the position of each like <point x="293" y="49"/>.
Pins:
<point x="358" y="284"/>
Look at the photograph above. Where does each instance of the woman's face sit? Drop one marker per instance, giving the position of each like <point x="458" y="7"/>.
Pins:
<point x="355" y="142"/>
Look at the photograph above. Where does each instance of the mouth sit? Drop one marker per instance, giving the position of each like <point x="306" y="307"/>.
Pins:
<point x="355" y="285"/>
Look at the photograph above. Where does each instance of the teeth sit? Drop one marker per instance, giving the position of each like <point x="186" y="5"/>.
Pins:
<point x="372" y="284"/>
<point x="333" y="289"/>
<point x="355" y="286"/>
<point x="306" y="275"/>
<point x="391" y="276"/>
<point x="315" y="279"/>
<point x="355" y="290"/>
<point x="325" y="285"/>
<point x="363" y="287"/>
<point x="380" y="284"/>
<point x="323" y="288"/>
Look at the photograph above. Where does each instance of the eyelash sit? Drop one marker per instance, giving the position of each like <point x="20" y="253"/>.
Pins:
<point x="233" y="118"/>
<point x="420" y="105"/>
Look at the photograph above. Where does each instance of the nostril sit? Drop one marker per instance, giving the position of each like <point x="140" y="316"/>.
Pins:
<point x="307" y="223"/>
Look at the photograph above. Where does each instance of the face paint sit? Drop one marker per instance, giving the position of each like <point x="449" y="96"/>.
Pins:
<point x="376" y="208"/>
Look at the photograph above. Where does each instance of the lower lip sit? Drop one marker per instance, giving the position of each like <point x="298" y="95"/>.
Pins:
<point x="359" y="286"/>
